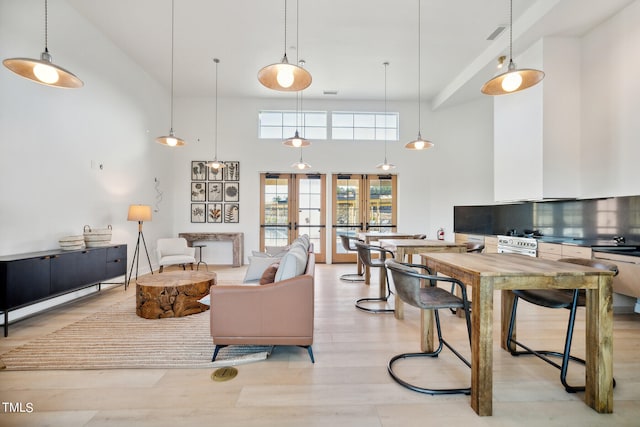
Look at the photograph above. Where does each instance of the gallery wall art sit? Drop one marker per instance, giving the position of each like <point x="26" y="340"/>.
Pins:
<point x="215" y="193"/>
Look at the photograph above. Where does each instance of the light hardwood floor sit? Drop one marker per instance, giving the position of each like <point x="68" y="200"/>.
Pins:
<point x="347" y="386"/>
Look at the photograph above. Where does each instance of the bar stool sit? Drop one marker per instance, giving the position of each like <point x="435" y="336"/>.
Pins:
<point x="347" y="245"/>
<point x="200" y="261"/>
<point x="431" y="297"/>
<point x="364" y="254"/>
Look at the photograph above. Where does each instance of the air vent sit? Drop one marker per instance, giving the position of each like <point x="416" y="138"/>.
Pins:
<point x="330" y="92"/>
<point x="496" y="33"/>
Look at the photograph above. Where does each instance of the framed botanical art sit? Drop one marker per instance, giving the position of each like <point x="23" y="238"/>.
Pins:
<point x="214" y="190"/>
<point x="198" y="212"/>
<point x="199" y="170"/>
<point x="215" y="174"/>
<point x="198" y="192"/>
<point x="231" y="191"/>
<point x="232" y="171"/>
<point x="214" y="212"/>
<point x="231" y="212"/>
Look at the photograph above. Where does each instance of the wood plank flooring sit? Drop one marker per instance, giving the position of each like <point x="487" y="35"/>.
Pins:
<point x="347" y="386"/>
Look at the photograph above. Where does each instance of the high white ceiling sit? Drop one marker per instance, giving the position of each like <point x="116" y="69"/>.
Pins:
<point x="344" y="42"/>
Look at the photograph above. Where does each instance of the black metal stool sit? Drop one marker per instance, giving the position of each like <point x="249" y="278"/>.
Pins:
<point x="200" y="261"/>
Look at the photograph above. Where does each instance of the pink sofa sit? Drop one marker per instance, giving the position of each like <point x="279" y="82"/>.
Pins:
<point x="279" y="313"/>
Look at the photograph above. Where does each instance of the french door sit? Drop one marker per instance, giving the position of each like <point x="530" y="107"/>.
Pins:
<point x="292" y="205"/>
<point x="361" y="203"/>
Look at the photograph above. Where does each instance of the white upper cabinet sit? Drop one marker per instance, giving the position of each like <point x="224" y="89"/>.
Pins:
<point x="537" y="131"/>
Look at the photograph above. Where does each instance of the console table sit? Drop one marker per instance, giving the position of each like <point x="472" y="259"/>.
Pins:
<point x="37" y="276"/>
<point x="237" y="239"/>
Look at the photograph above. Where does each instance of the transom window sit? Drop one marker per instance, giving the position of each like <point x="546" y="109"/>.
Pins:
<point x="351" y="125"/>
<point x="282" y="124"/>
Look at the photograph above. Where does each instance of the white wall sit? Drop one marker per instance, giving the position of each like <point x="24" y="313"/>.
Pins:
<point x="457" y="171"/>
<point x="610" y="107"/>
<point x="50" y="136"/>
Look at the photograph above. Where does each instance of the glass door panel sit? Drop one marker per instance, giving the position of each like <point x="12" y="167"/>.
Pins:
<point x="310" y="211"/>
<point x="275" y="225"/>
<point x="381" y="203"/>
<point x="347" y="213"/>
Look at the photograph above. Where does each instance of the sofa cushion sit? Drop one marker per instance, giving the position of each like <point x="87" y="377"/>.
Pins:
<point x="292" y="264"/>
<point x="257" y="265"/>
<point x="277" y="251"/>
<point x="269" y="274"/>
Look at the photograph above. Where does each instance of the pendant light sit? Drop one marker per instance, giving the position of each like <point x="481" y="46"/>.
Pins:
<point x="283" y="76"/>
<point x="301" y="164"/>
<point x="514" y="79"/>
<point x="386" y="165"/>
<point x="419" y="143"/>
<point x="171" y="140"/>
<point x="43" y="70"/>
<point x="215" y="164"/>
<point x="296" y="140"/>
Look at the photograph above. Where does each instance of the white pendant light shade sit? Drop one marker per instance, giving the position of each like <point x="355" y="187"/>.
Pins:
<point x="43" y="70"/>
<point x="385" y="166"/>
<point x="419" y="144"/>
<point x="301" y="164"/>
<point x="512" y="80"/>
<point x="283" y="76"/>
<point x="171" y="140"/>
<point x="296" y="141"/>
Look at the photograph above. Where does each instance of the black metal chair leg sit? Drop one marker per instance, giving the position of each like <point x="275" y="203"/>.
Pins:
<point x="215" y="352"/>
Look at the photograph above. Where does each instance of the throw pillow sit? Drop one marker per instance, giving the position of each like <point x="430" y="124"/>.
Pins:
<point x="257" y="265"/>
<point x="269" y="275"/>
<point x="292" y="264"/>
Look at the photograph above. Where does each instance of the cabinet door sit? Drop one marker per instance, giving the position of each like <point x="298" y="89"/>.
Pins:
<point x="77" y="269"/>
<point x="26" y="281"/>
<point x="116" y="261"/>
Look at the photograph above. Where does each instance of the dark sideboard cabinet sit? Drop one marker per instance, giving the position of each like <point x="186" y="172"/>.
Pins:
<point x="33" y="277"/>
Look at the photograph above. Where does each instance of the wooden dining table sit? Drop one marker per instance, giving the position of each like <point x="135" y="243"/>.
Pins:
<point x="408" y="247"/>
<point x="373" y="236"/>
<point x="485" y="273"/>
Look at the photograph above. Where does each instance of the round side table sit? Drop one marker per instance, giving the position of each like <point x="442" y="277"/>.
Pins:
<point x="200" y="261"/>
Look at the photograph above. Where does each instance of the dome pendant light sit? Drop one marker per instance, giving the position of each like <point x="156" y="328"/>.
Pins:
<point x="171" y="140"/>
<point x="215" y="164"/>
<point x="43" y="70"/>
<point x="297" y="141"/>
<point x="419" y="143"/>
<point x="283" y="76"/>
<point x="514" y="79"/>
<point x="300" y="164"/>
<point x="386" y="165"/>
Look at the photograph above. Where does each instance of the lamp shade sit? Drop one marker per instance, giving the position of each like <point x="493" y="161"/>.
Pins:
<point x="513" y="80"/>
<point x="43" y="71"/>
<point x="296" y="141"/>
<point x="170" y="140"/>
<point x="139" y="213"/>
<point x="285" y="77"/>
<point x="419" y="144"/>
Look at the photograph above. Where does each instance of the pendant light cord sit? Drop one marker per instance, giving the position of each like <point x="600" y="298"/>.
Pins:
<point x="419" y="75"/>
<point x="386" y="64"/>
<point x="285" y="27"/>
<point x="172" y="25"/>
<point x="215" y="121"/>
<point x="46" y="26"/>
<point x="511" y="30"/>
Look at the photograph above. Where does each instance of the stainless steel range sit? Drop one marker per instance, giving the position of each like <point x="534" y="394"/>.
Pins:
<point x="517" y="245"/>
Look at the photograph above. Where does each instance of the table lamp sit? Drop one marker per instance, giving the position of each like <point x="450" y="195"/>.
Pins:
<point x="139" y="213"/>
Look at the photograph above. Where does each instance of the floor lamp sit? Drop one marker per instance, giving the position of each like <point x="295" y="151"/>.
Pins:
<point x="139" y="213"/>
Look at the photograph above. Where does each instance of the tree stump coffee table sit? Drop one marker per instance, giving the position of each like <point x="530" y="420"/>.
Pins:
<point x="172" y="293"/>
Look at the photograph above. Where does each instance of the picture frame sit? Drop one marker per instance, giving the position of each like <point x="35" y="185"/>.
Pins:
<point x="198" y="191"/>
<point x="215" y="174"/>
<point x="231" y="191"/>
<point x="232" y="213"/>
<point x="199" y="170"/>
<point x="232" y="171"/>
<point x="198" y="212"/>
<point x="214" y="212"/>
<point x="215" y="191"/>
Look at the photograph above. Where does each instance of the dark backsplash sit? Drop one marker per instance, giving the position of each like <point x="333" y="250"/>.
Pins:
<point x="583" y="219"/>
